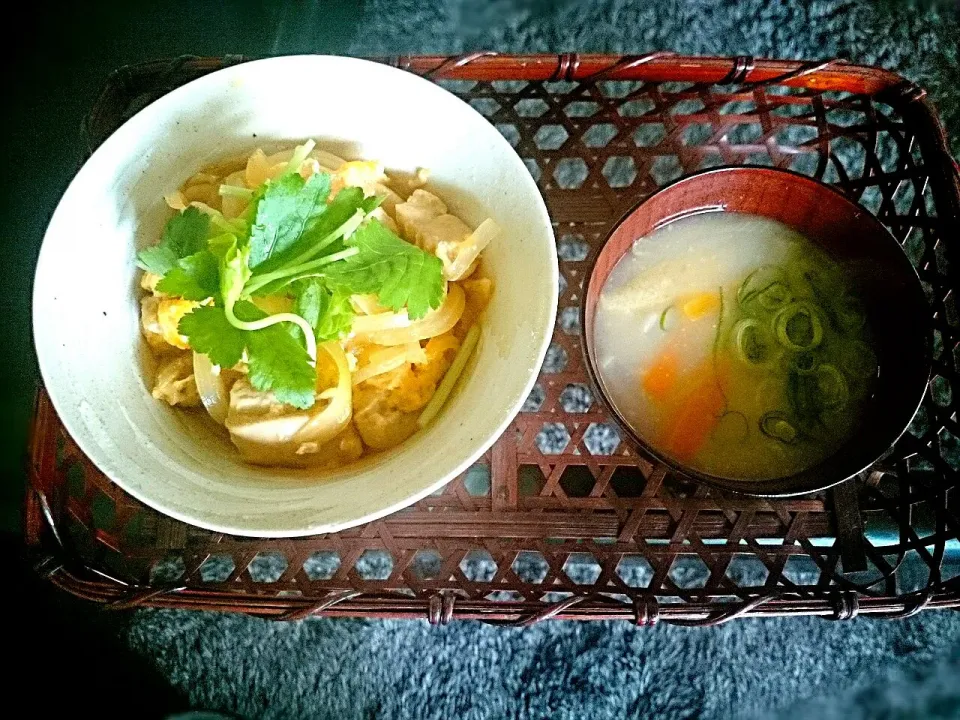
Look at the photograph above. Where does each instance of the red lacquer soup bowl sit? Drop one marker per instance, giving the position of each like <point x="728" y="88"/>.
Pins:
<point x="887" y="284"/>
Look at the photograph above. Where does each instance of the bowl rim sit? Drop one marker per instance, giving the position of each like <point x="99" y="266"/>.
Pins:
<point x="60" y="396"/>
<point x="679" y="469"/>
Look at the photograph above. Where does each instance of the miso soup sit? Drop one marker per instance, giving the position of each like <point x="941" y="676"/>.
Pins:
<point x="735" y="346"/>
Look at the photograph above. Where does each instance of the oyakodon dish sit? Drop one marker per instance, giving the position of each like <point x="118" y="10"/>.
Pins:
<point x="311" y="308"/>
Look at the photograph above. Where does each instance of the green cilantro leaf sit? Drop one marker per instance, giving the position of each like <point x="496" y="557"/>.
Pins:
<point x="277" y="361"/>
<point x="289" y="207"/>
<point x="195" y="277"/>
<point x="328" y="312"/>
<point x="400" y="273"/>
<point x="210" y="333"/>
<point x="315" y="238"/>
<point x="185" y="234"/>
<point x="336" y="316"/>
<point x="234" y="271"/>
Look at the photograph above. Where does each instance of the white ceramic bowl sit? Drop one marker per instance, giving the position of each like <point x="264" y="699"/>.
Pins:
<point x="86" y="312"/>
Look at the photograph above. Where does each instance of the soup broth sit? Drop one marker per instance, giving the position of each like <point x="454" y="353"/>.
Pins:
<point x="735" y="346"/>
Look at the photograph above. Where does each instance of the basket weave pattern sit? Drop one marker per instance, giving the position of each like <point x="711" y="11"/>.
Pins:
<point x="563" y="518"/>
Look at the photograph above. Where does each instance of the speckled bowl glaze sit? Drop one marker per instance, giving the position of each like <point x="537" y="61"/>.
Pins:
<point x="86" y="312"/>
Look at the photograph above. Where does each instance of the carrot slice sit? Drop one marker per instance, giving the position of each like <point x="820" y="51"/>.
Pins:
<point x="697" y="414"/>
<point x="699" y="305"/>
<point x="659" y="379"/>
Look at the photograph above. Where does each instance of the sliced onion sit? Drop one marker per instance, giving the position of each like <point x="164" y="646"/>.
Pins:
<point x="328" y="159"/>
<point x="257" y="168"/>
<point x="381" y="361"/>
<point x="234" y="203"/>
<point x="364" y="324"/>
<point x="331" y="421"/>
<point x="415" y="353"/>
<point x="435" y="323"/>
<point x="211" y="387"/>
<point x="367" y="304"/>
<point x="175" y="200"/>
<point x="458" y="257"/>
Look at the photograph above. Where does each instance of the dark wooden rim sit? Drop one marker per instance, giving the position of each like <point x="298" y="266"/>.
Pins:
<point x="803" y="483"/>
<point x="75" y="553"/>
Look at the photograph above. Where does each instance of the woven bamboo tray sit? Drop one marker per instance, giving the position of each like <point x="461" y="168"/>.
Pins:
<point x="562" y="518"/>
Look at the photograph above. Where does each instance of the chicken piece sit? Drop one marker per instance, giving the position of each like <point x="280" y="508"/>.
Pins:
<point x="175" y="383"/>
<point x="380" y="423"/>
<point x="419" y="208"/>
<point x="268" y="432"/>
<point x="443" y="231"/>
<point x="150" y="325"/>
<point x="340" y="450"/>
<point x="169" y="313"/>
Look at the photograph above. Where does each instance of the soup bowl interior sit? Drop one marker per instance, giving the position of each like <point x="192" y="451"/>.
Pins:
<point x="873" y="261"/>
<point x="86" y="312"/>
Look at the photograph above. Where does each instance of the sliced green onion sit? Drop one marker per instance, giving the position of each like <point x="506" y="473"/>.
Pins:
<point x="753" y="343"/>
<point x="850" y="315"/>
<point x="831" y="386"/>
<point x="450" y="379"/>
<point x="859" y="360"/>
<point x="801" y="399"/>
<point x="798" y="326"/>
<point x="668" y="318"/>
<point x="236" y="191"/>
<point x="774" y="296"/>
<point x="769" y="392"/>
<point x="824" y="283"/>
<point x="732" y="427"/>
<point x="804" y="363"/>
<point x="299" y="155"/>
<point x="758" y="281"/>
<point x="776" y="425"/>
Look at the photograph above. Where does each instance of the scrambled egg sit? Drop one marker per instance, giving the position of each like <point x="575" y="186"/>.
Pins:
<point x="150" y="324"/>
<point x="169" y="313"/>
<point x="477" y="293"/>
<point x="175" y="383"/>
<point x="149" y="282"/>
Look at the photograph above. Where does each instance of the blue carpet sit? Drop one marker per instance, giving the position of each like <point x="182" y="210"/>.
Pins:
<point x="798" y="668"/>
<point x="784" y="668"/>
